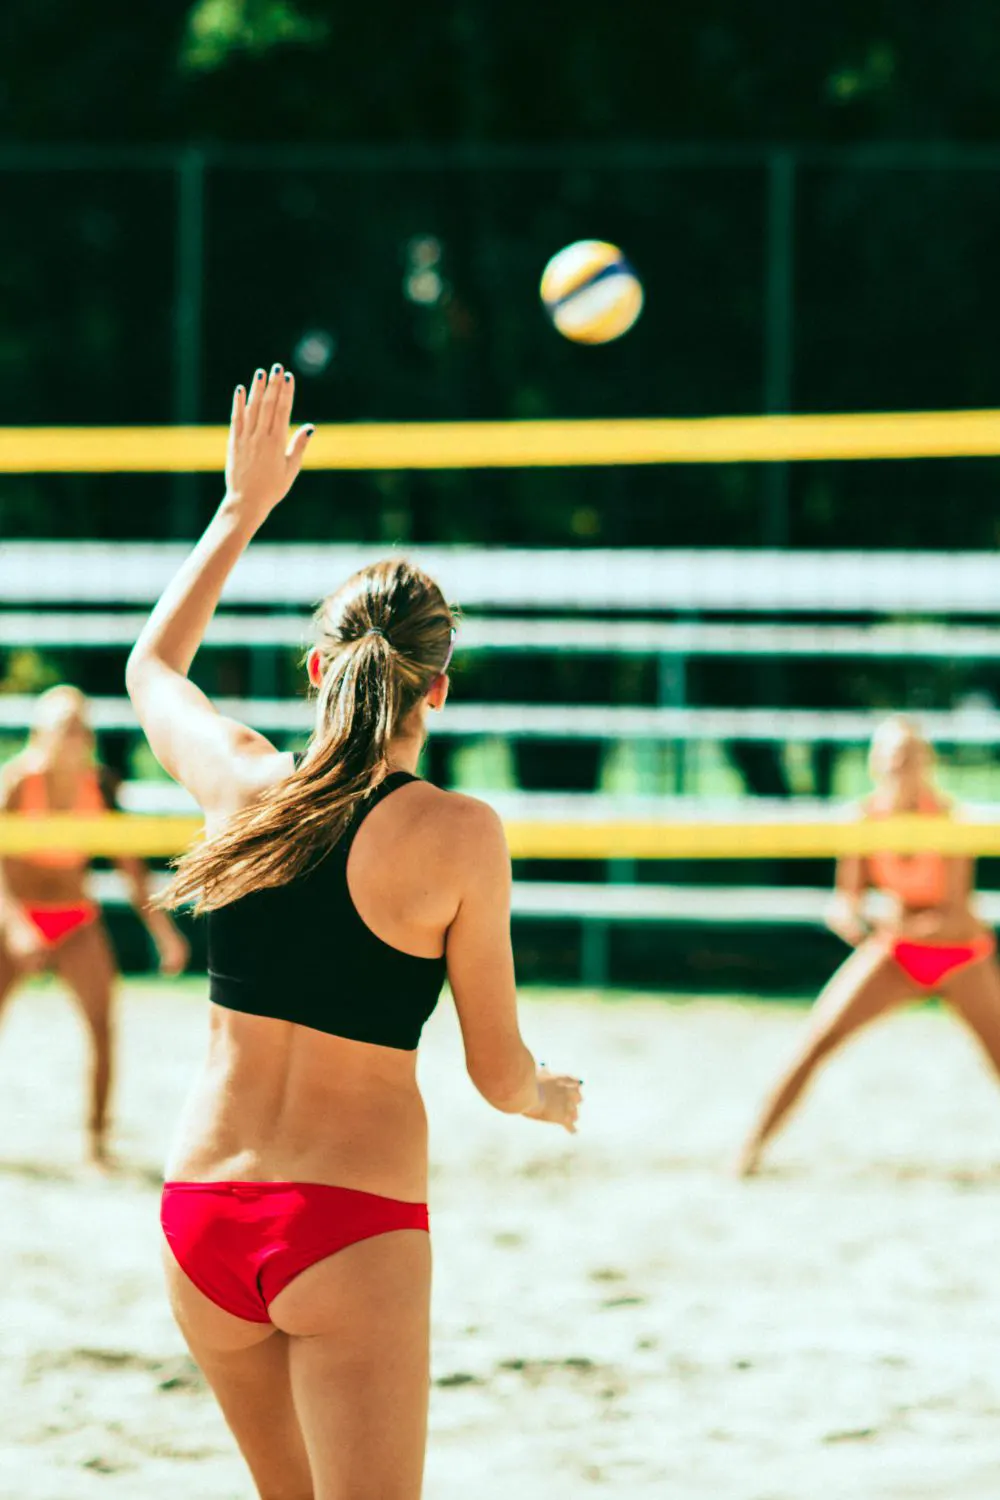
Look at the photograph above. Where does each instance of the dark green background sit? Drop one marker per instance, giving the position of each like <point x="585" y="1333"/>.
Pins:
<point x="332" y="135"/>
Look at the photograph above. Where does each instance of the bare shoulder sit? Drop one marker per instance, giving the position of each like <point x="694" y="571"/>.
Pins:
<point x="469" y="818"/>
<point x="467" y="827"/>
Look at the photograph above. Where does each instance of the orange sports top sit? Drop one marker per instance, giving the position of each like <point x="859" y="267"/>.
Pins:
<point x="917" y="879"/>
<point x="33" y="801"/>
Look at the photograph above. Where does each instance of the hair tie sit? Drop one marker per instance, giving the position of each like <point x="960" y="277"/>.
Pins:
<point x="374" y="630"/>
<point x="451" y="651"/>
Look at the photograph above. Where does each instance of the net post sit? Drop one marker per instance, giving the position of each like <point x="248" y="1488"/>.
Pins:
<point x="189" y="276"/>
<point x="779" y="328"/>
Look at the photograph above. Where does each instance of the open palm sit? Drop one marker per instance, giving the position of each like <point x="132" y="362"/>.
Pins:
<point x="261" y="462"/>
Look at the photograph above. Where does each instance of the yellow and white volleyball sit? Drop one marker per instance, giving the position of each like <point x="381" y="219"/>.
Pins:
<point x="591" y="293"/>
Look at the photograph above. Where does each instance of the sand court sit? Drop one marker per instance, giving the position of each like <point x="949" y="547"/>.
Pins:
<point x="614" y="1313"/>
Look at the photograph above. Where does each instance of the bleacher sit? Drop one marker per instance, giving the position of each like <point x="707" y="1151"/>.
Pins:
<point x="672" y="606"/>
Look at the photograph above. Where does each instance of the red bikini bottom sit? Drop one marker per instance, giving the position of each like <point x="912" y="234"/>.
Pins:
<point x="241" y="1243"/>
<point x="55" y="920"/>
<point x="928" y="963"/>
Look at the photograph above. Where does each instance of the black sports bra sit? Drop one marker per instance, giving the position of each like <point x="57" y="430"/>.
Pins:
<point x="300" y="952"/>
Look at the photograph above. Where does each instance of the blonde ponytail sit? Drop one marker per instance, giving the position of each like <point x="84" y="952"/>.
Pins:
<point x="383" y="639"/>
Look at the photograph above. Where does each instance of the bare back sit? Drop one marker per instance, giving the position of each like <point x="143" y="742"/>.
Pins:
<point x="281" y="1101"/>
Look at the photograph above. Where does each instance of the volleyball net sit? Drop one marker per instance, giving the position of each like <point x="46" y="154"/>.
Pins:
<point x="523" y="444"/>
<point x="664" y="584"/>
<point x="117" y="835"/>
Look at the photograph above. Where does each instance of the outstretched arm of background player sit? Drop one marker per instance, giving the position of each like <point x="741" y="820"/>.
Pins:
<point x="844" y="915"/>
<point x="21" y="939"/>
<point x="216" y="758"/>
<point x="171" y="945"/>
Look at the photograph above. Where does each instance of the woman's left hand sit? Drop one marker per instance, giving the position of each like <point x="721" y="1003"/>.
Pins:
<point x="261" y="463"/>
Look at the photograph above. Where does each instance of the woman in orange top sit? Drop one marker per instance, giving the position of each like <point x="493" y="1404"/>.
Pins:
<point x="930" y="942"/>
<point x="47" y="918"/>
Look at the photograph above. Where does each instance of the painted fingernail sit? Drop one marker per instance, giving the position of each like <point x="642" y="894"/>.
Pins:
<point x="275" y="369"/>
<point x="259" y="375"/>
<point x="310" y="430"/>
<point x="287" y="377"/>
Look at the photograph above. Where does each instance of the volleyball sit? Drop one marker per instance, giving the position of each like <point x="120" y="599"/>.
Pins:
<point x="591" y="293"/>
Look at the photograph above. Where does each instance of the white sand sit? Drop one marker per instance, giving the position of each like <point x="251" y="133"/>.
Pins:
<point x="614" y="1314"/>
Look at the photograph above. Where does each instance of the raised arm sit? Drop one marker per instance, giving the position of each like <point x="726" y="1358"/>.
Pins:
<point x="481" y="975"/>
<point x="172" y="947"/>
<point x="215" y="757"/>
<point x="19" y="936"/>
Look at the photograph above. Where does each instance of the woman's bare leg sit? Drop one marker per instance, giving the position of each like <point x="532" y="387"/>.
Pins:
<point x="11" y="974"/>
<point x="974" y="995"/>
<point x="247" y="1366"/>
<point x="86" y="964"/>
<point x="360" y="1366"/>
<point x="866" y="985"/>
<point x="331" y="1401"/>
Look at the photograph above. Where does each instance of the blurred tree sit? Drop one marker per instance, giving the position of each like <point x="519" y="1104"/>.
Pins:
<point x="218" y="30"/>
<point x="27" y="672"/>
<point x="892" y="270"/>
<point x="309" y="70"/>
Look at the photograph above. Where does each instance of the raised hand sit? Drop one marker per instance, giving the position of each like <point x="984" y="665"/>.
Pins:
<point x="261" y="462"/>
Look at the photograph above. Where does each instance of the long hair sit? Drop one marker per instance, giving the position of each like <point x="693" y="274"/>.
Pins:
<point x="383" y="638"/>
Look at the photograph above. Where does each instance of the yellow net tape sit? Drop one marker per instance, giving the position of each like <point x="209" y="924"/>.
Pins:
<point x="492" y="445"/>
<point x="109" y="835"/>
<point x="119" y="834"/>
<point x="626" y="840"/>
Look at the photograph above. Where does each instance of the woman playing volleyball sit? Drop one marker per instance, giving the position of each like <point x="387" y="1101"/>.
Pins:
<point x="339" y="889"/>
<point x="47" y="918"/>
<point x="931" y="942"/>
